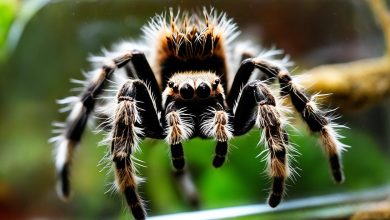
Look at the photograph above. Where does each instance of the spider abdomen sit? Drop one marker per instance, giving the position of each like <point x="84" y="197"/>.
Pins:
<point x="191" y="43"/>
<point x="199" y="50"/>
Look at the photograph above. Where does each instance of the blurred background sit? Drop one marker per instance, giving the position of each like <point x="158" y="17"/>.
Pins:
<point x="45" y="43"/>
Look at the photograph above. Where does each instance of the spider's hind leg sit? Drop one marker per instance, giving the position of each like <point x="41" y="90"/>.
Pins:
<point x="256" y="104"/>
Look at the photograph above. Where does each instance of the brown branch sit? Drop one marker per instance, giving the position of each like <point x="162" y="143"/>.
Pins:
<point x="352" y="85"/>
<point x="356" y="84"/>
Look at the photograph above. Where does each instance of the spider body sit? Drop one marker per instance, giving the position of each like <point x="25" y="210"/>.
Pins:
<point x="190" y="44"/>
<point x="190" y="78"/>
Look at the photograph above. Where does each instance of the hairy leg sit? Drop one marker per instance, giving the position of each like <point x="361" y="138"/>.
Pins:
<point x="215" y="123"/>
<point x="180" y="127"/>
<point x="81" y="107"/>
<point x="71" y="131"/>
<point x="257" y="105"/>
<point x="317" y="119"/>
<point x="135" y="117"/>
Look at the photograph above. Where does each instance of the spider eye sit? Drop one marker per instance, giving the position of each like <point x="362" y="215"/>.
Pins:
<point x="186" y="91"/>
<point x="203" y="90"/>
<point x="216" y="83"/>
<point x="171" y="84"/>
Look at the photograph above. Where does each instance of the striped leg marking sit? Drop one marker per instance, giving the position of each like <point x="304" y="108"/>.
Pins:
<point x="275" y="137"/>
<point x="179" y="128"/>
<point x="70" y="132"/>
<point x="217" y="125"/>
<point x="125" y="136"/>
<point x="316" y="119"/>
<point x="257" y="105"/>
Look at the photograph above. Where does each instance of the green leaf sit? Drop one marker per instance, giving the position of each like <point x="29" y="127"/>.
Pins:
<point x="8" y="12"/>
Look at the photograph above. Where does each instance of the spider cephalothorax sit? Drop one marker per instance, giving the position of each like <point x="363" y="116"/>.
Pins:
<point x="188" y="78"/>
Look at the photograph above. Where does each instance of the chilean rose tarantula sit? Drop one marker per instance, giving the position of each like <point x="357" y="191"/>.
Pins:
<point x="188" y="77"/>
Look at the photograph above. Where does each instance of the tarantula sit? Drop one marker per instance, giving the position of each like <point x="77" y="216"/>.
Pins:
<point x="189" y="77"/>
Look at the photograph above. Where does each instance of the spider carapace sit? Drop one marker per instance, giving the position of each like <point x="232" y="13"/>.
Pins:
<point x="190" y="77"/>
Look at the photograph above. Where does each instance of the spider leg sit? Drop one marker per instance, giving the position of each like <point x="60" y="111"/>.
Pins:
<point x="74" y="126"/>
<point x="241" y="78"/>
<point x="306" y="106"/>
<point x="82" y="106"/>
<point x="313" y="116"/>
<point x="180" y="126"/>
<point x="186" y="185"/>
<point x="143" y="71"/>
<point x="215" y="123"/>
<point x="257" y="105"/>
<point x="135" y="108"/>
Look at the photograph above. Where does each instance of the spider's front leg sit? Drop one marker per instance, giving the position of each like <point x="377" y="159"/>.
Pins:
<point x="316" y="119"/>
<point x="135" y="117"/>
<point x="71" y="131"/>
<point x="257" y="105"/>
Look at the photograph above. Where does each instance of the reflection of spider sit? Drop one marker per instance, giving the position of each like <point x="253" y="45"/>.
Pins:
<point x="182" y="82"/>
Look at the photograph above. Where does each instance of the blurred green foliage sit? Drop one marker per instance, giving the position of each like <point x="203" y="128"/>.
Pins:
<point x="54" y="47"/>
<point x="8" y="12"/>
<point x="242" y="181"/>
